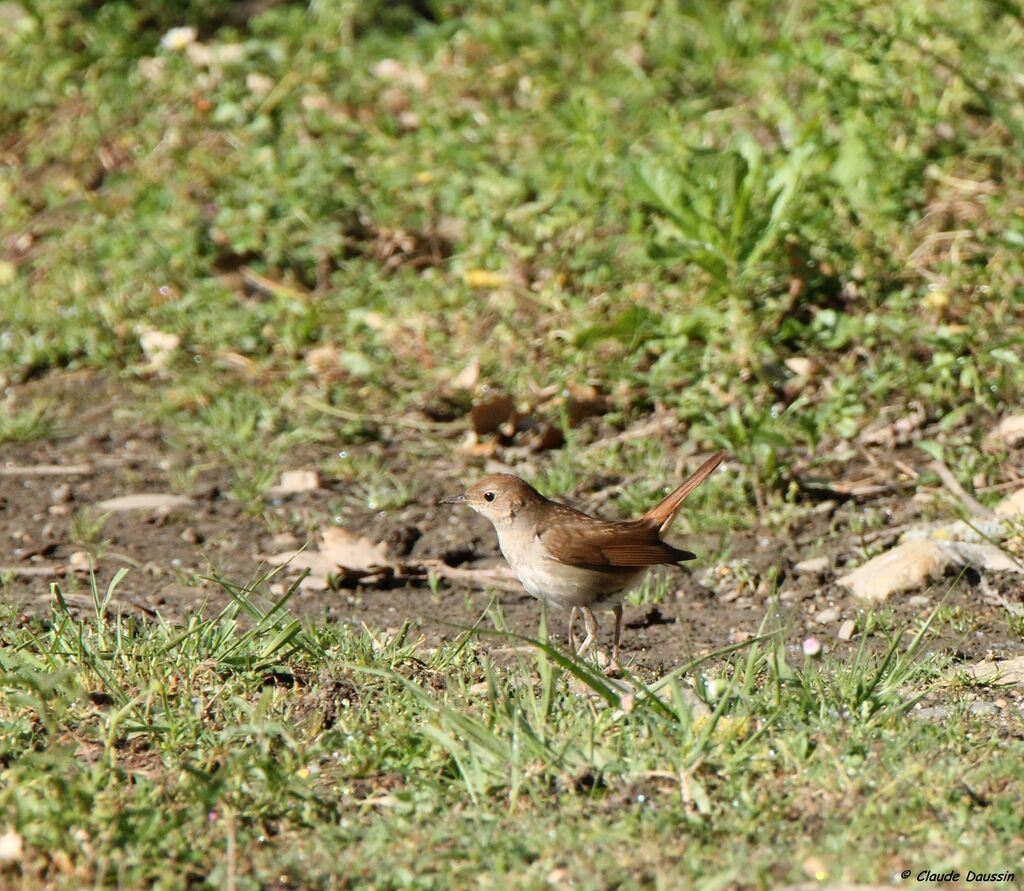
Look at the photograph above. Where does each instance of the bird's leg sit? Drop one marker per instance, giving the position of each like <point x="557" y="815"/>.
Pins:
<point x="572" y="630"/>
<point x="591" y="623"/>
<point x="617" y="610"/>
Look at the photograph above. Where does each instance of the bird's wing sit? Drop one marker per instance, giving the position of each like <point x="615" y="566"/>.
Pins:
<point x="579" y="540"/>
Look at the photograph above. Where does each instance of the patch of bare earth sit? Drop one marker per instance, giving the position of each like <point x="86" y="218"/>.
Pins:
<point x="199" y="530"/>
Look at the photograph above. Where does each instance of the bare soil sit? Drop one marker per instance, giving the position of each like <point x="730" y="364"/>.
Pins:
<point x="173" y="556"/>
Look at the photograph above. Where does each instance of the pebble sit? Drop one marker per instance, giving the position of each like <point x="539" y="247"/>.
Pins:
<point x="941" y="712"/>
<point x="62" y="494"/>
<point x="79" y="561"/>
<point x="827" y="616"/>
<point x="814" y="566"/>
<point x="789" y="595"/>
<point x="846" y="630"/>
<point x="919" y="600"/>
<point x="285" y="541"/>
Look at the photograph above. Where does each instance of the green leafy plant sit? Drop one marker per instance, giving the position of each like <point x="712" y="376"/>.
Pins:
<point x="722" y="210"/>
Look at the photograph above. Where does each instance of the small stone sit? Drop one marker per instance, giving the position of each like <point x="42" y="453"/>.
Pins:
<point x="827" y="616"/>
<point x="285" y="541"/>
<point x="79" y="561"/>
<point x="813" y="566"/>
<point x="62" y="494"/>
<point x="919" y="600"/>
<point x="12" y="847"/>
<point x="815" y="869"/>
<point x="846" y="630"/>
<point x="190" y="536"/>
<point x="981" y="709"/>
<point x="59" y="510"/>
<point x="294" y="481"/>
<point x="932" y="713"/>
<point x="789" y="595"/>
<point x="909" y="565"/>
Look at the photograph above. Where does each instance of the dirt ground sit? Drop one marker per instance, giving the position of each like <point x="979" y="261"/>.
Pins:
<point x="96" y="457"/>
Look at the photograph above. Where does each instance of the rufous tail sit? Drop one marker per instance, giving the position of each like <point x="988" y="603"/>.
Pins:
<point x="664" y="512"/>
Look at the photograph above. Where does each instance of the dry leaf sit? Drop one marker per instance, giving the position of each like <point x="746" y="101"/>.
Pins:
<point x="584" y="401"/>
<point x="293" y="481"/>
<point x="545" y="437"/>
<point x="354" y="552"/>
<point x="323" y="358"/>
<point x="898" y="432"/>
<point x="484" y="278"/>
<point x="491" y="411"/>
<point x="231" y="359"/>
<point x="145" y="501"/>
<point x="269" y="287"/>
<point x="499" y="577"/>
<point x="801" y="366"/>
<point x="340" y="554"/>
<point x="1008" y="433"/>
<point x="159" y="347"/>
<point x="472" y="447"/>
<point x="469" y="377"/>
<point x="1012" y="505"/>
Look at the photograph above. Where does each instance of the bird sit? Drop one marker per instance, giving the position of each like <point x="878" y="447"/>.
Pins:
<point x="565" y="557"/>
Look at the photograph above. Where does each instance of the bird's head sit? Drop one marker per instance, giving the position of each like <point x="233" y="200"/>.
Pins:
<point x="500" y="497"/>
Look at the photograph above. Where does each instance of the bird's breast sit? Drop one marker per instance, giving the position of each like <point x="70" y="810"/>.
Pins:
<point x="562" y="584"/>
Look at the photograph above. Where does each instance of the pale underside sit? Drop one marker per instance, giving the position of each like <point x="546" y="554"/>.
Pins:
<point x="567" y="585"/>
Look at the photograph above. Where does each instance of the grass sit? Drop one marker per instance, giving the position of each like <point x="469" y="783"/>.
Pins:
<point x="777" y="225"/>
<point x="26" y="424"/>
<point x="242" y="748"/>
<point x="334" y="200"/>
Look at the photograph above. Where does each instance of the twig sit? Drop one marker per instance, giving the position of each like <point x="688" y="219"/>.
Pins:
<point x="477" y="578"/>
<point x="399" y="421"/>
<point x="662" y="422"/>
<point x="953" y="484"/>
<point x="46" y="470"/>
<point x="50" y="569"/>
<point x="1002" y="487"/>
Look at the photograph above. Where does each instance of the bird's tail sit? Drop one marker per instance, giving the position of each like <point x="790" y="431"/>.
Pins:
<point x="664" y="512"/>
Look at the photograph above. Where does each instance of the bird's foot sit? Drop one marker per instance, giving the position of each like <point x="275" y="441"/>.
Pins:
<point x="588" y="642"/>
<point x="610" y="664"/>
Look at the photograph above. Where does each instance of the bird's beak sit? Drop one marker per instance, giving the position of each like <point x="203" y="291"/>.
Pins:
<point x="453" y="499"/>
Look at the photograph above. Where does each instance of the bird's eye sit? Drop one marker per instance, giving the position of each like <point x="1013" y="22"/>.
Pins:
<point x="488" y="496"/>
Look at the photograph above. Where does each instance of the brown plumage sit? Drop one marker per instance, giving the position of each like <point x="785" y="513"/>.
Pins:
<point x="566" y="557"/>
